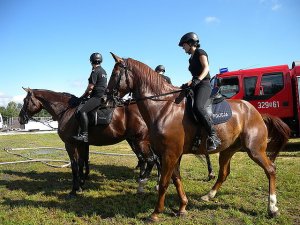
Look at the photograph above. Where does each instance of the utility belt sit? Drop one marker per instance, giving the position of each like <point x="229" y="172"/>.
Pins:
<point x="205" y="78"/>
<point x="196" y="81"/>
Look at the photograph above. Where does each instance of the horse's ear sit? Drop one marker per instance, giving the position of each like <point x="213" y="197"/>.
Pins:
<point x="116" y="58"/>
<point x="28" y="90"/>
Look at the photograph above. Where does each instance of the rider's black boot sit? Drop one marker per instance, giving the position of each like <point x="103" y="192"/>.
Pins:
<point x="213" y="140"/>
<point x="83" y="135"/>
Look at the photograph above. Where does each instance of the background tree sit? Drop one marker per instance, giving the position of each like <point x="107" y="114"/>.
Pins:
<point x="13" y="109"/>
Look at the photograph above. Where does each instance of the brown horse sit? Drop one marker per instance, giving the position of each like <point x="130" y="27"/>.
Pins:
<point x="126" y="124"/>
<point x="171" y="130"/>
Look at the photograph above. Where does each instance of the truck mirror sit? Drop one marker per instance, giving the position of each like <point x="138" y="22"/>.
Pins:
<point x="261" y="90"/>
<point x="295" y="63"/>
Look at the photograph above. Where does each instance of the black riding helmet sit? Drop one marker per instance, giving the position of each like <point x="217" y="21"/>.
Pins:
<point x="96" y="58"/>
<point x="190" y="38"/>
<point x="160" y="68"/>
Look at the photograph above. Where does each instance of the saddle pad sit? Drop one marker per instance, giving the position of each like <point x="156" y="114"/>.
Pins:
<point x="221" y="112"/>
<point x="102" y="116"/>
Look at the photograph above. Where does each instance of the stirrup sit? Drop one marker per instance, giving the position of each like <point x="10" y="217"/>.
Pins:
<point x="82" y="137"/>
<point x="212" y="143"/>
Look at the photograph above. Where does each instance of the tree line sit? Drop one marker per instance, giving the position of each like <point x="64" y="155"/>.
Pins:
<point x="13" y="109"/>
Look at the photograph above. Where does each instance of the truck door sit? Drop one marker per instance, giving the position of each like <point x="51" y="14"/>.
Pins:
<point x="250" y="84"/>
<point x="298" y="101"/>
<point x="274" y="95"/>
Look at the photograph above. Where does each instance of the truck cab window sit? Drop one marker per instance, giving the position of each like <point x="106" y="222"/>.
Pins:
<point x="249" y="86"/>
<point x="229" y="86"/>
<point x="271" y="83"/>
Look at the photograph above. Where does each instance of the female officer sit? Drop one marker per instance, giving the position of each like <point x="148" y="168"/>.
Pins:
<point x="198" y="66"/>
<point x="95" y="90"/>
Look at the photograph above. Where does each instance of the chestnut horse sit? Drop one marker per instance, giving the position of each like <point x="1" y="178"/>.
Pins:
<point x="126" y="124"/>
<point x="172" y="131"/>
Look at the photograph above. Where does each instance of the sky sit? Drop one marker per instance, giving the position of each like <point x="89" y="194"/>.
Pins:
<point x="46" y="44"/>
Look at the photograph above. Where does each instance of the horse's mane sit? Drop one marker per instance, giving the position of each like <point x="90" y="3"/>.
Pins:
<point x="55" y="96"/>
<point x="154" y="82"/>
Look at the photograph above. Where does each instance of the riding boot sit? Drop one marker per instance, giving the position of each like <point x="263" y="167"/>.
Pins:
<point x="84" y="123"/>
<point x="213" y="140"/>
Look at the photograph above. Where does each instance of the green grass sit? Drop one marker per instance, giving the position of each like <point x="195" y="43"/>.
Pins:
<point x="34" y="193"/>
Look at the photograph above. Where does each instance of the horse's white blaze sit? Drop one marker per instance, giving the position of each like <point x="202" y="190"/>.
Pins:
<point x="272" y="203"/>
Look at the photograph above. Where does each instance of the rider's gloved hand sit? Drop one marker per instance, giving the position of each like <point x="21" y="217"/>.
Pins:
<point x="195" y="82"/>
<point x="184" y="86"/>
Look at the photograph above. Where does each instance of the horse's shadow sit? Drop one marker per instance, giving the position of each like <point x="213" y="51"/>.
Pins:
<point x="58" y="184"/>
<point x="50" y="182"/>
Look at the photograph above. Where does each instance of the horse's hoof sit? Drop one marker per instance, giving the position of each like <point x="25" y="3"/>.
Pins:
<point x="182" y="213"/>
<point x="72" y="195"/>
<point x="140" y="190"/>
<point x="274" y="214"/>
<point x="205" y="198"/>
<point x="211" y="177"/>
<point x="153" y="218"/>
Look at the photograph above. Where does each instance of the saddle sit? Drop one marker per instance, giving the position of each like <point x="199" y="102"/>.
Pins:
<point x="99" y="116"/>
<point x="216" y="106"/>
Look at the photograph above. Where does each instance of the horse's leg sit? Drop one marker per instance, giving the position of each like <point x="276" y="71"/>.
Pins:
<point x="168" y="164"/>
<point x="73" y="155"/>
<point x="149" y="159"/>
<point x="176" y="177"/>
<point x="158" y="167"/>
<point x="263" y="161"/>
<point x="135" y="148"/>
<point x="211" y="174"/>
<point x="224" y="171"/>
<point x="81" y="160"/>
<point x="86" y="161"/>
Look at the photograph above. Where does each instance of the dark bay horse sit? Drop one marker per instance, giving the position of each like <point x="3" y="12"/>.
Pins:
<point x="171" y="131"/>
<point x="126" y="124"/>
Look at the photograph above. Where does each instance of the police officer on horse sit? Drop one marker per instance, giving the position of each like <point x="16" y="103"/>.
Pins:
<point x="95" y="91"/>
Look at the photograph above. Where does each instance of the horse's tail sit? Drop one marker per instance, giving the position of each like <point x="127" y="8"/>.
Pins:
<point x="278" y="134"/>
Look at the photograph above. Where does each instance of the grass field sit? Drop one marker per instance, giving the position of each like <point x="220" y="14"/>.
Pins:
<point x="35" y="193"/>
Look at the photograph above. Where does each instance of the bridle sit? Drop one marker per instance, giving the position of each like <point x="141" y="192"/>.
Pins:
<point x="27" y="117"/>
<point x="25" y="107"/>
<point x="115" y="90"/>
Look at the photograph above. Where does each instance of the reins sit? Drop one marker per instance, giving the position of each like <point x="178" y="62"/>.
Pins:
<point x="27" y="117"/>
<point x="121" y="102"/>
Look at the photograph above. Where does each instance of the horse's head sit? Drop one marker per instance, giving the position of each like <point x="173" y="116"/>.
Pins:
<point x="120" y="82"/>
<point x="30" y="107"/>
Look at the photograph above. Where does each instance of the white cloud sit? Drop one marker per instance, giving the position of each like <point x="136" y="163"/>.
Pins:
<point x="273" y="4"/>
<point x="211" y="19"/>
<point x="4" y="99"/>
<point x="18" y="98"/>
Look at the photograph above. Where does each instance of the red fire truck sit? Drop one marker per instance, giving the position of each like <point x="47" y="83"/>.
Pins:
<point x="274" y="90"/>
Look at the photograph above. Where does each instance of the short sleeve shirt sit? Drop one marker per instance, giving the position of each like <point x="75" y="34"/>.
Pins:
<point x="98" y="78"/>
<point x="195" y="66"/>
